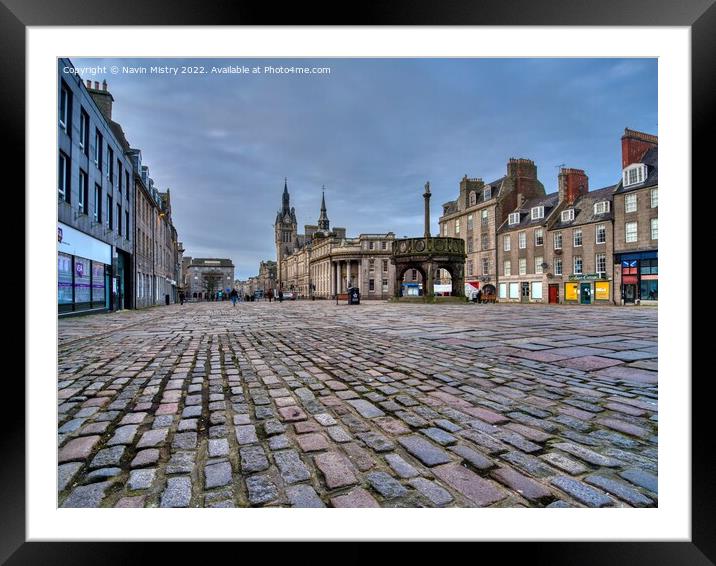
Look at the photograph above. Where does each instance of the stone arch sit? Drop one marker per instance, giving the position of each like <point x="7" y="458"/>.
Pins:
<point x="457" y="276"/>
<point x="402" y="269"/>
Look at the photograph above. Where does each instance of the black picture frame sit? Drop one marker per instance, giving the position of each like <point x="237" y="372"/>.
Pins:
<point x="699" y="15"/>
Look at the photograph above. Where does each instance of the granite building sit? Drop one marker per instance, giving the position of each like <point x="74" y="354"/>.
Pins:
<point x="208" y="276"/>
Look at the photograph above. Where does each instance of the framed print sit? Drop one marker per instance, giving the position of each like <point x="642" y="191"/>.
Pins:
<point x="402" y="272"/>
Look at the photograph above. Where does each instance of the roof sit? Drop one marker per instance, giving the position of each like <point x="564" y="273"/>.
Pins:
<point x="211" y="261"/>
<point x="451" y="206"/>
<point x="584" y="209"/>
<point x="549" y="202"/>
<point x="651" y="160"/>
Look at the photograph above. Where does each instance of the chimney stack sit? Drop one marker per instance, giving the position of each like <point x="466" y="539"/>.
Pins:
<point x="102" y="98"/>
<point x="572" y="184"/>
<point x="635" y="145"/>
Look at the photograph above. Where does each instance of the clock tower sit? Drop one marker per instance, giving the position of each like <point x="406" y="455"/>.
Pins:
<point x="285" y="232"/>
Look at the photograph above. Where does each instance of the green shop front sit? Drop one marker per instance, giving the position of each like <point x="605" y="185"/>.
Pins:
<point x="587" y="289"/>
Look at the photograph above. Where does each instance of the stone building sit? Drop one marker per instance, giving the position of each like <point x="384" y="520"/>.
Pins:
<point x="267" y="276"/>
<point x="636" y="221"/>
<point x="477" y="212"/>
<point x="322" y="262"/>
<point x="208" y="276"/>
<point x="95" y="201"/>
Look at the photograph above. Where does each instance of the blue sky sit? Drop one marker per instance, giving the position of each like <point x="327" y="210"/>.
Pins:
<point x="372" y="131"/>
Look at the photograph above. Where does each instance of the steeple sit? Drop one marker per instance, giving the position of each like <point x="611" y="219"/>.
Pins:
<point x="286" y="198"/>
<point x="323" y="222"/>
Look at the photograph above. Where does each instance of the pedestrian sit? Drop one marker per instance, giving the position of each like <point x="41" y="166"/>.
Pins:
<point x="280" y="296"/>
<point x="234" y="296"/>
<point x="479" y="296"/>
<point x="269" y="295"/>
<point x="181" y="297"/>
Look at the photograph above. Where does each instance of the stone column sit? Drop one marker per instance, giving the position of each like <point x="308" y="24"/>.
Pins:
<point x="426" y="196"/>
<point x="428" y="284"/>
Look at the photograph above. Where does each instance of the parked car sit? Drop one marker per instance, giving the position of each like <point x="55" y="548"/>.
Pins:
<point x="289" y="296"/>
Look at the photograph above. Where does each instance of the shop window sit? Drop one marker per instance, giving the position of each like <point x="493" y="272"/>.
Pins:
<point x="537" y="290"/>
<point x="64" y="281"/>
<point x="82" y="279"/>
<point x="98" y="282"/>
<point x="570" y="291"/>
<point x="514" y="291"/>
<point x="601" y="290"/>
<point x="503" y="290"/>
<point x="649" y="289"/>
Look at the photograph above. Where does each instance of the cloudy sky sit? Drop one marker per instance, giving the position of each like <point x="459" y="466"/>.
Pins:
<point x="372" y="131"/>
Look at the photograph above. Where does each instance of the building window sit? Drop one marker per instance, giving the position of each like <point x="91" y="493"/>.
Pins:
<point x="110" y="163"/>
<point x="507" y="267"/>
<point x="630" y="203"/>
<point x="98" y="149"/>
<point x="577" y="265"/>
<point x="469" y="267"/>
<point x="558" y="266"/>
<point x="385" y="286"/>
<point x="506" y="243"/>
<point x="457" y="226"/>
<point x="126" y="224"/>
<point x="384" y="245"/>
<point x="65" y="108"/>
<point x="97" y="203"/>
<point x="522" y="264"/>
<point x="63" y="178"/>
<point x="484" y="217"/>
<point x="82" y="202"/>
<point x="654" y="198"/>
<point x="601" y="263"/>
<point x="487" y="195"/>
<point x="126" y="183"/>
<point x="119" y="219"/>
<point x="538" y="264"/>
<point x="371" y="285"/>
<point x="119" y="175"/>
<point x="469" y="245"/>
<point x="371" y="265"/>
<point x="577" y="237"/>
<point x="385" y="265"/>
<point x="522" y="240"/>
<point x="537" y="212"/>
<point x="568" y="215"/>
<point x="630" y="229"/>
<point x="634" y="174"/>
<point x="601" y="207"/>
<point x="485" y="241"/>
<point x="84" y="132"/>
<point x="558" y="240"/>
<point x="601" y="234"/>
<point x="469" y="222"/>
<point x="537" y="290"/>
<point x="110" y="213"/>
<point x="539" y="237"/>
<point x="371" y="245"/>
<point x="473" y="198"/>
<point x="485" y="266"/>
<point x="654" y="228"/>
<point x="514" y="218"/>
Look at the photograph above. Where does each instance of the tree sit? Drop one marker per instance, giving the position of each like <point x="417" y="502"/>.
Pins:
<point x="212" y="281"/>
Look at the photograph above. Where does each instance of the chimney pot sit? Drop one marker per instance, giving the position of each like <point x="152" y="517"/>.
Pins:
<point x="104" y="85"/>
<point x="96" y="85"/>
<point x="89" y="83"/>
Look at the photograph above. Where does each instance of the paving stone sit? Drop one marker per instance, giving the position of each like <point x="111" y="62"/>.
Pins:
<point x="366" y="409"/>
<point x="359" y="456"/>
<point x="440" y="436"/>
<point x="218" y="447"/>
<point x="108" y="457"/>
<point x="253" y="459"/>
<point x="180" y="462"/>
<point x="136" y="501"/>
<point x="436" y="494"/>
<point x="377" y="442"/>
<point x="292" y="468"/>
<point x="261" y="490"/>
<point x="587" y="455"/>
<point x="292" y="414"/>
<point x="246" y="434"/>
<point x="279" y="442"/>
<point x="581" y="492"/>
<point x="77" y="449"/>
<point x="272" y="426"/>
<point x="423" y="450"/>
<point x="478" y="490"/>
<point x="400" y="466"/>
<point x="312" y="442"/>
<point x="338" y="434"/>
<point x="336" y="469"/>
<point x="563" y="463"/>
<point x="523" y="485"/>
<point x="177" y="492"/>
<point x="86" y="495"/>
<point x="642" y="479"/>
<point x="356" y="498"/>
<point x="66" y="473"/>
<point x="217" y="475"/>
<point x="303" y="496"/>
<point x="185" y="441"/>
<point x="384" y="484"/>
<point x="619" y="489"/>
<point x="473" y="457"/>
<point x="141" y="479"/>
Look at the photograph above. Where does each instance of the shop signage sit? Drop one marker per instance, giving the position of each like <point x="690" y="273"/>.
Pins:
<point x="585" y="277"/>
<point x="79" y="268"/>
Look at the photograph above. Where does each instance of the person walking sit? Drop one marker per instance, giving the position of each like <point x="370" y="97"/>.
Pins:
<point x="181" y="297"/>
<point x="479" y="296"/>
<point x="234" y="296"/>
<point x="280" y="296"/>
<point x="269" y="295"/>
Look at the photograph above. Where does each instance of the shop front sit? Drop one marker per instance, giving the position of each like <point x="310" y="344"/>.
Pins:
<point x="84" y="272"/>
<point x="587" y="289"/>
<point x="640" y="277"/>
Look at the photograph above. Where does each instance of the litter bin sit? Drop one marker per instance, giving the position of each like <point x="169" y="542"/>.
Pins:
<point x="354" y="296"/>
<point x="166" y="299"/>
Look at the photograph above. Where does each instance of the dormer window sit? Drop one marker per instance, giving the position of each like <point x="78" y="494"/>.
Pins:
<point x="487" y="195"/>
<point x="537" y="212"/>
<point x="514" y="218"/>
<point x="601" y="207"/>
<point x="568" y="215"/>
<point x="473" y="198"/>
<point x="634" y="174"/>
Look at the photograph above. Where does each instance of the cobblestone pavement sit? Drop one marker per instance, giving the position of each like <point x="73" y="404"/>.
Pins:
<point x="309" y="404"/>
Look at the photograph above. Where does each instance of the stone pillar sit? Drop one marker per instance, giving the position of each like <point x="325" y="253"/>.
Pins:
<point x="426" y="196"/>
<point x="348" y="274"/>
<point x="428" y="284"/>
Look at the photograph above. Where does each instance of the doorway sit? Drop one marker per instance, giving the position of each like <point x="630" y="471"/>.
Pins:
<point x="585" y="293"/>
<point x="629" y="293"/>
<point x="525" y="292"/>
<point x="553" y="294"/>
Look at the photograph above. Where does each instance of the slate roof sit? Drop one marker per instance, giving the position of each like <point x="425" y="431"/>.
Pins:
<point x="549" y="202"/>
<point x="584" y="209"/>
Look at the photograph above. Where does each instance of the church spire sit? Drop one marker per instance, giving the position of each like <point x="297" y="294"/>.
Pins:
<point x="286" y="197"/>
<point x="323" y="222"/>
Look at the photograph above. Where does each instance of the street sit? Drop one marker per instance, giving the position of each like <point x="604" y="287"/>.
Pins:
<point x="313" y="404"/>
